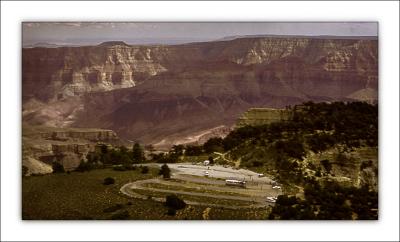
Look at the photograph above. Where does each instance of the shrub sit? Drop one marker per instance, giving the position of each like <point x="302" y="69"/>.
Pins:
<point x="293" y="148"/>
<point x="192" y="150"/>
<point x="366" y="164"/>
<point x="121" y="215"/>
<point x="58" y="168"/>
<point x="108" y="181"/>
<point x="113" y="208"/>
<point x="177" y="150"/>
<point x="84" y="166"/>
<point x="320" y="142"/>
<point x="165" y="171"/>
<point x="213" y="144"/>
<point x="24" y="170"/>
<point x="175" y="202"/>
<point x="327" y="165"/>
<point x="145" y="170"/>
<point x="171" y="212"/>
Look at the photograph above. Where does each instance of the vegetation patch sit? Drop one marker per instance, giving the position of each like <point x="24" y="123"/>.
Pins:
<point x="193" y="198"/>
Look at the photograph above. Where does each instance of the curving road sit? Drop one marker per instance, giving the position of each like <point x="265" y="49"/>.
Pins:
<point x="257" y="189"/>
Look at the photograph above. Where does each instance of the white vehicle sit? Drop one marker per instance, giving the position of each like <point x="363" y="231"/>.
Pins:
<point x="276" y="187"/>
<point x="206" y="162"/>
<point x="231" y="182"/>
<point x="260" y="175"/>
<point x="206" y="173"/>
<point x="271" y="199"/>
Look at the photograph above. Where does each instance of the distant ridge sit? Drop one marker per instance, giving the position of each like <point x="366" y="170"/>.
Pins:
<point x="227" y="38"/>
<point x="43" y="45"/>
<point x="112" y="43"/>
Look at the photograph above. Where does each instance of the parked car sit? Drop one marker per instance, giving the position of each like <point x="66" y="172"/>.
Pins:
<point x="271" y="199"/>
<point x="276" y="187"/>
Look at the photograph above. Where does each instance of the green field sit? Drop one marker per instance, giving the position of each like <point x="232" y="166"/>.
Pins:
<point x="83" y="196"/>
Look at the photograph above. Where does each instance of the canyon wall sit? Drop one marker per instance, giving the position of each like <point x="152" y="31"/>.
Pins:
<point x="147" y="92"/>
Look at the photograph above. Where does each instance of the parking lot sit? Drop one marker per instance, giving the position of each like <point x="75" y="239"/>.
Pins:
<point x="194" y="181"/>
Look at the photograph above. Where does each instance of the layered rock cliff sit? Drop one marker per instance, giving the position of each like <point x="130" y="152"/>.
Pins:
<point x="41" y="146"/>
<point x="147" y="92"/>
<point x="261" y="116"/>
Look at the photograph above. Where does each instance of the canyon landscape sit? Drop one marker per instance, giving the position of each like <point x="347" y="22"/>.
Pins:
<point x="251" y="126"/>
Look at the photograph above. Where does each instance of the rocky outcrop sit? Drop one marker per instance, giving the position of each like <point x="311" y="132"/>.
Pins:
<point x="94" y="136"/>
<point x="35" y="166"/>
<point x="42" y="146"/>
<point x="357" y="167"/>
<point x="148" y="92"/>
<point x="261" y="116"/>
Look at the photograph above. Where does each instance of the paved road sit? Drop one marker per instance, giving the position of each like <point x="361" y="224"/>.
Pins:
<point x="219" y="172"/>
<point x="127" y="189"/>
<point x="257" y="188"/>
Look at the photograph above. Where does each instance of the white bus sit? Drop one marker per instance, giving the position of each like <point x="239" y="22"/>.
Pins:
<point x="231" y="182"/>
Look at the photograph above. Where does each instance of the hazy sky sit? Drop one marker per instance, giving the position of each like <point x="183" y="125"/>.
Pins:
<point x="134" y="32"/>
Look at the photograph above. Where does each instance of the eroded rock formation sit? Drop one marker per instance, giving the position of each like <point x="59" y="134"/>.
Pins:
<point x="41" y="146"/>
<point x="261" y="116"/>
<point x="148" y="92"/>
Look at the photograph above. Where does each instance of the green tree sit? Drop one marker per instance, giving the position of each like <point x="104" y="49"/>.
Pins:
<point x="211" y="159"/>
<point x="177" y="149"/>
<point x="137" y="153"/>
<point x="175" y="202"/>
<point x="165" y="171"/>
<point x="192" y="150"/>
<point x="213" y="144"/>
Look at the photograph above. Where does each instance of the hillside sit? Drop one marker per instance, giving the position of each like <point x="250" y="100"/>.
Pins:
<point x="325" y="156"/>
<point x="344" y="135"/>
